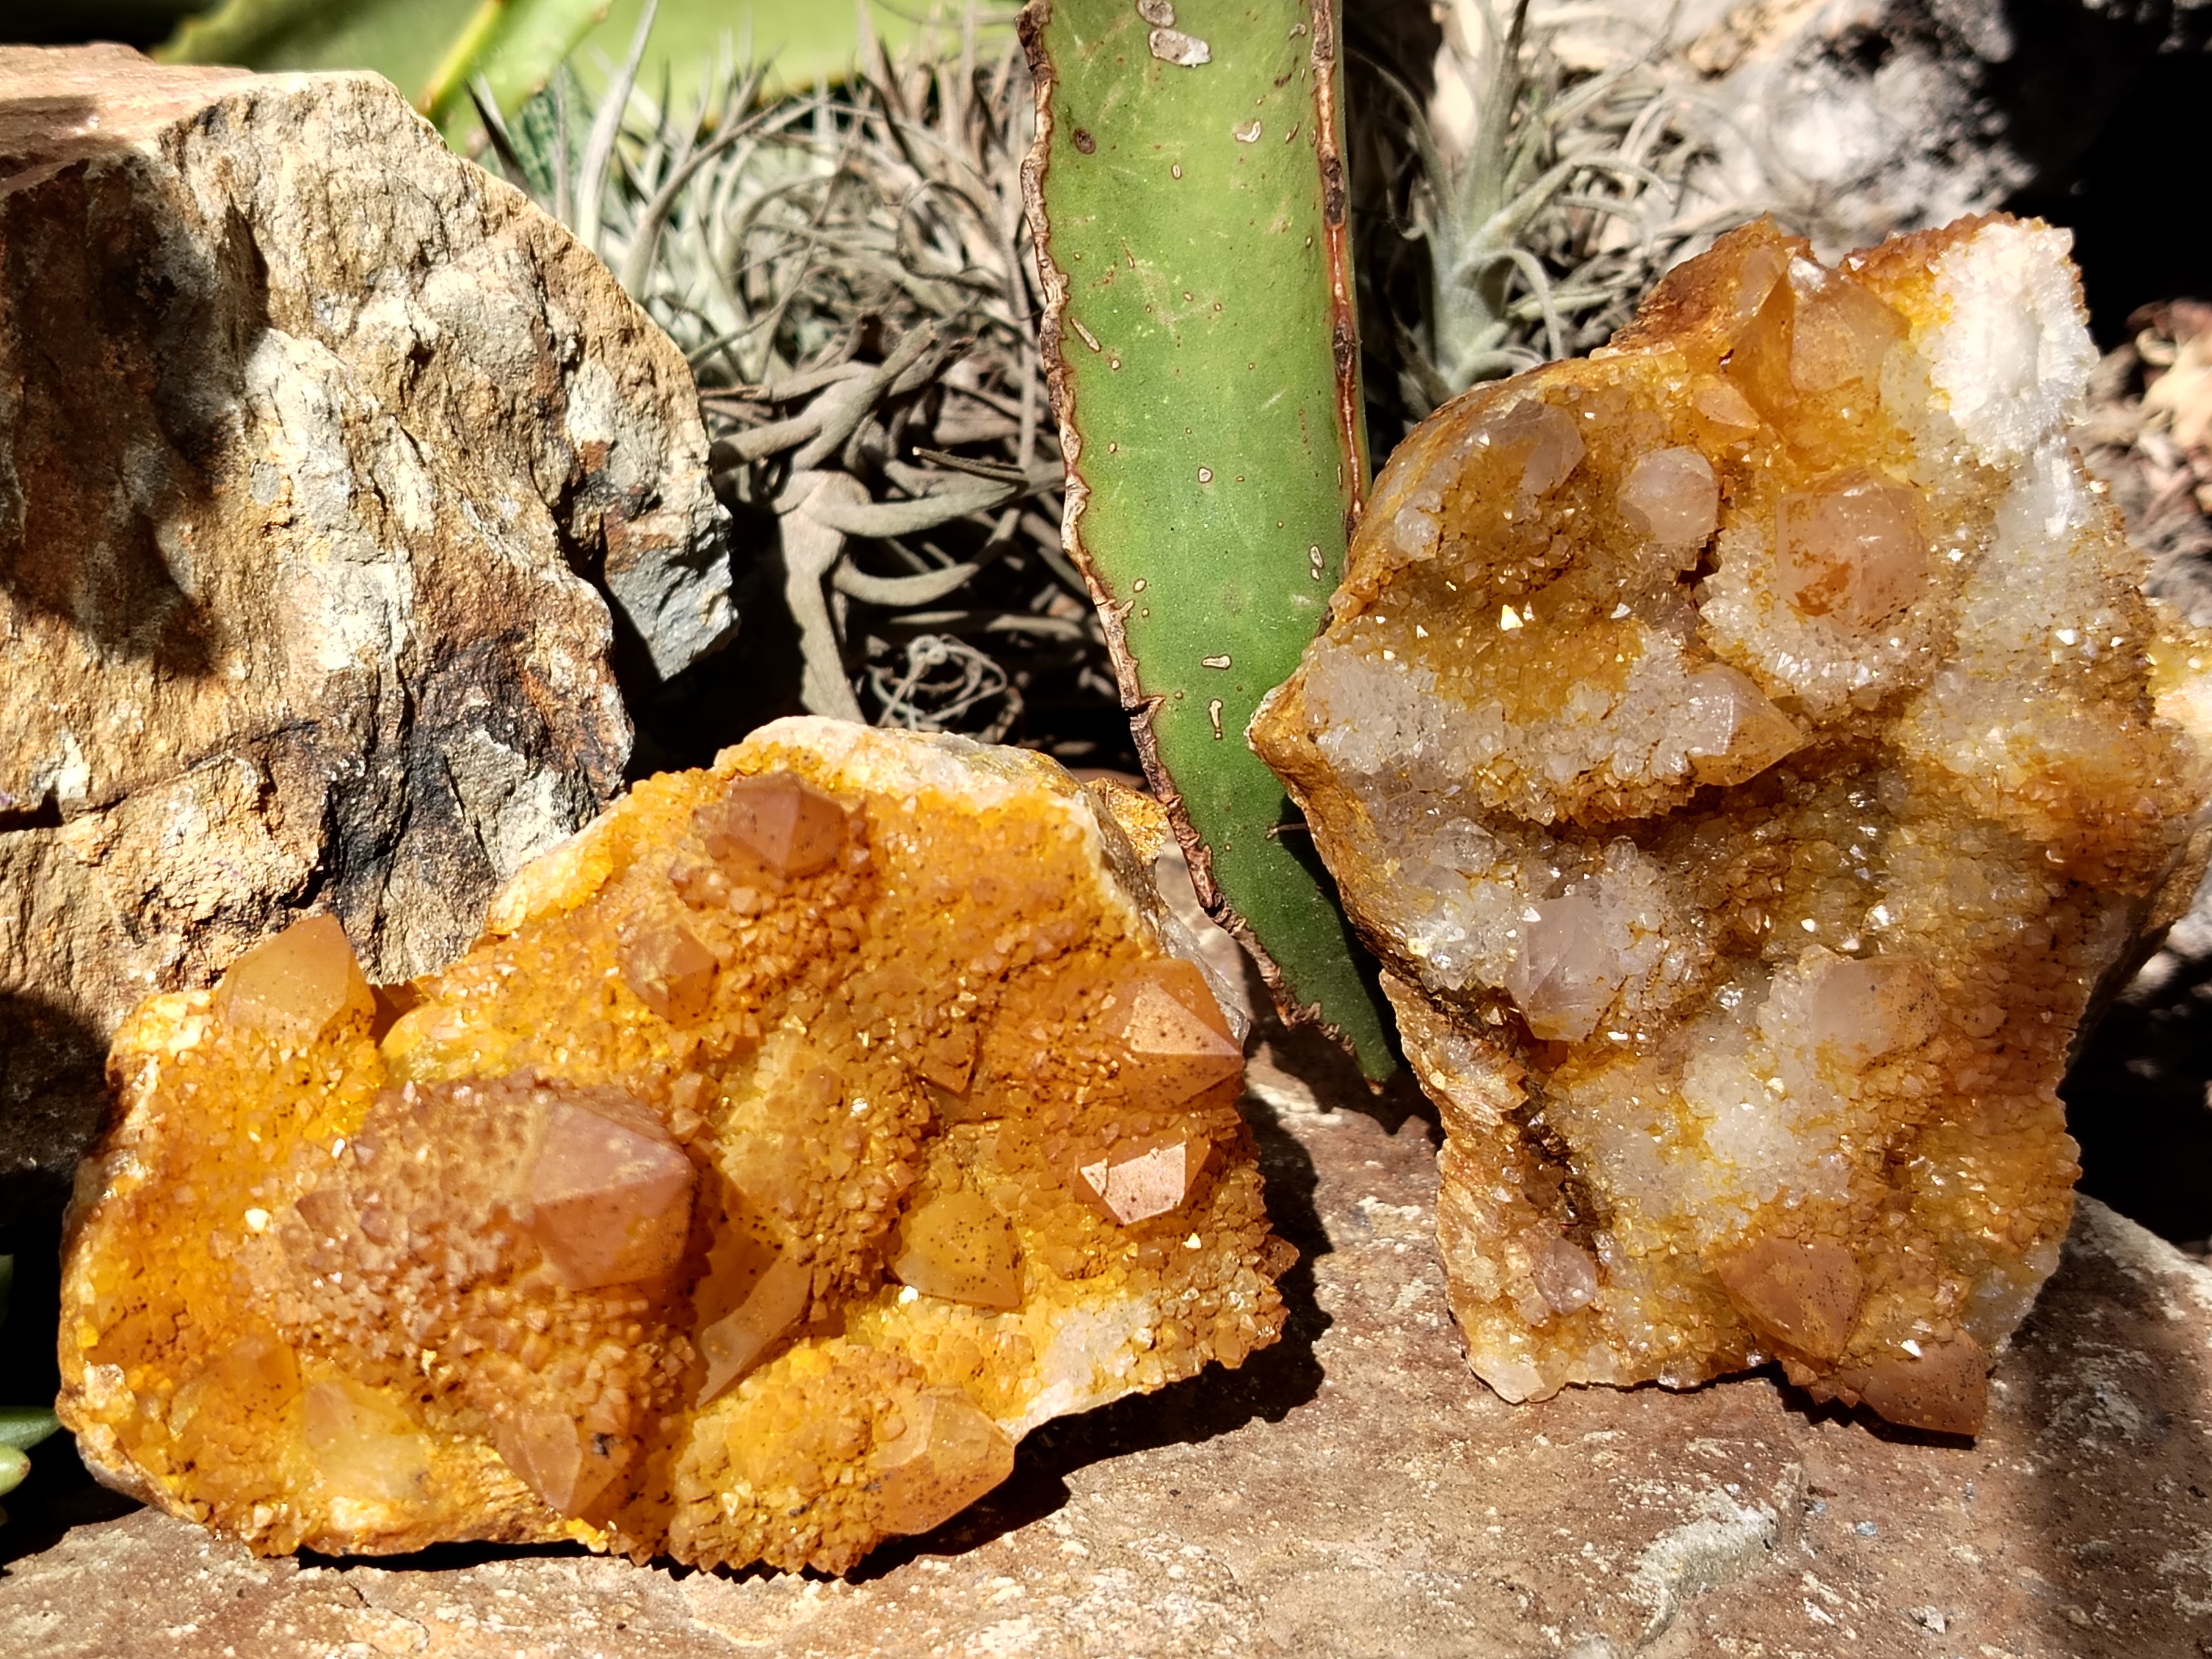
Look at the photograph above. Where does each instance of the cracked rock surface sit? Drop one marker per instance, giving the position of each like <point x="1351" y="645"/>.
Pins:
<point x="313" y="442"/>
<point x="1346" y="1493"/>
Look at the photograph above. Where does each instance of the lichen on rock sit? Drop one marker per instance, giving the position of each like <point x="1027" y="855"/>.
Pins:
<point x="796" y="1138"/>
<point x="1749" y="750"/>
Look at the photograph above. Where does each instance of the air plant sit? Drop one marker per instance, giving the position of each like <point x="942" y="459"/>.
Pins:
<point x="1545" y="223"/>
<point x="849" y="273"/>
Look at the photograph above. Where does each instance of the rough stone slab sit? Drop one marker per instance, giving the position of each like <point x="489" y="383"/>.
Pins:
<point x="1354" y="1491"/>
<point x="313" y="438"/>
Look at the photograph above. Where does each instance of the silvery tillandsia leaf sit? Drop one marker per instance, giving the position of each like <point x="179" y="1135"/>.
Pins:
<point x="849" y="273"/>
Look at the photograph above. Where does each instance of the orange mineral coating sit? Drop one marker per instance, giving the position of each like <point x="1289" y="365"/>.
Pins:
<point x="723" y="1202"/>
<point x="1749" y="750"/>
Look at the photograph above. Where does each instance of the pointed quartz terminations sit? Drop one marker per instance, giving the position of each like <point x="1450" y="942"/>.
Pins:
<point x="610" y="1194"/>
<point x="1134" y="1182"/>
<point x="946" y="1455"/>
<point x="796" y="1138"/>
<point x="1748" y="750"/>
<point x="958" y="1246"/>
<point x="297" y="985"/>
<point x="1178" y="1044"/>
<point x="1176" y="1050"/>
<point x="792" y="829"/>
<point x="751" y="1297"/>
<point x="570" y="1466"/>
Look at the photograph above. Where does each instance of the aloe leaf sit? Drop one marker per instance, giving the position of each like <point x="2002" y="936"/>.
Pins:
<point x="1186" y="190"/>
<point x="805" y="43"/>
<point x="431" y="49"/>
<point x="513" y="44"/>
<point x="404" y="41"/>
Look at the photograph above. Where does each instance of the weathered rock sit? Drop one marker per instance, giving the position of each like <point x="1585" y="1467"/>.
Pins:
<point x="801" y="1135"/>
<point x="1750" y="750"/>
<point x="312" y="435"/>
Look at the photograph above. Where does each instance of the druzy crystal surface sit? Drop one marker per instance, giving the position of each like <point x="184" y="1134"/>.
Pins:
<point x="795" y="1139"/>
<point x="1748" y="750"/>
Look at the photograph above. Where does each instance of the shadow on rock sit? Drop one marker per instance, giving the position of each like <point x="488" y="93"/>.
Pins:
<point x="119" y="445"/>
<point x="53" y="1100"/>
<point x="57" y="1498"/>
<point x="2135" y="1099"/>
<point x="2111" y="1376"/>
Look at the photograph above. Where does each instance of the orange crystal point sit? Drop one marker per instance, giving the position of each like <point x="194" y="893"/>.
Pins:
<point x="947" y="1456"/>
<point x="1805" y="1293"/>
<point x="1944" y="1387"/>
<point x="362" y="1445"/>
<point x="957" y="1245"/>
<point x="1566" y="969"/>
<point x="1815" y="331"/>
<point x="752" y="1296"/>
<point x="298" y="985"/>
<point x="948" y="1058"/>
<point x="785" y="824"/>
<point x="565" y="1463"/>
<point x="1134" y="1182"/>
<point x="1739" y="731"/>
<point x="1672" y="497"/>
<point x="1868" y="1007"/>
<point x="672" y="972"/>
<point x="719" y="1202"/>
<point x="1177" y="1039"/>
<point x="610" y="1194"/>
<point x="1853" y="548"/>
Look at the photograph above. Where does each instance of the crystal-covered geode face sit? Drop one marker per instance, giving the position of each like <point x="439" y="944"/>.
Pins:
<point x="796" y="1137"/>
<point x="1747" y="750"/>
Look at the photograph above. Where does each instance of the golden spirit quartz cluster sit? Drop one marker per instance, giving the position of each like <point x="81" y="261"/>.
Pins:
<point x="1748" y="750"/>
<point x="796" y="1137"/>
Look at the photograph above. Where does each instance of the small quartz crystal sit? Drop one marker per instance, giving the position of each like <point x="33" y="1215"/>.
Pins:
<point x="946" y="1455"/>
<point x="1750" y="750"/>
<point x="298" y="984"/>
<point x="610" y="1196"/>
<point x="795" y="1139"/>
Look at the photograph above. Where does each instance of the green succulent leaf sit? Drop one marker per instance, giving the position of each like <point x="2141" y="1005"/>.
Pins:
<point x="14" y="1466"/>
<point x="433" y="49"/>
<point x="1187" y="194"/>
<point x="22" y="1427"/>
<point x="514" y="45"/>
<point x="430" y="49"/>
